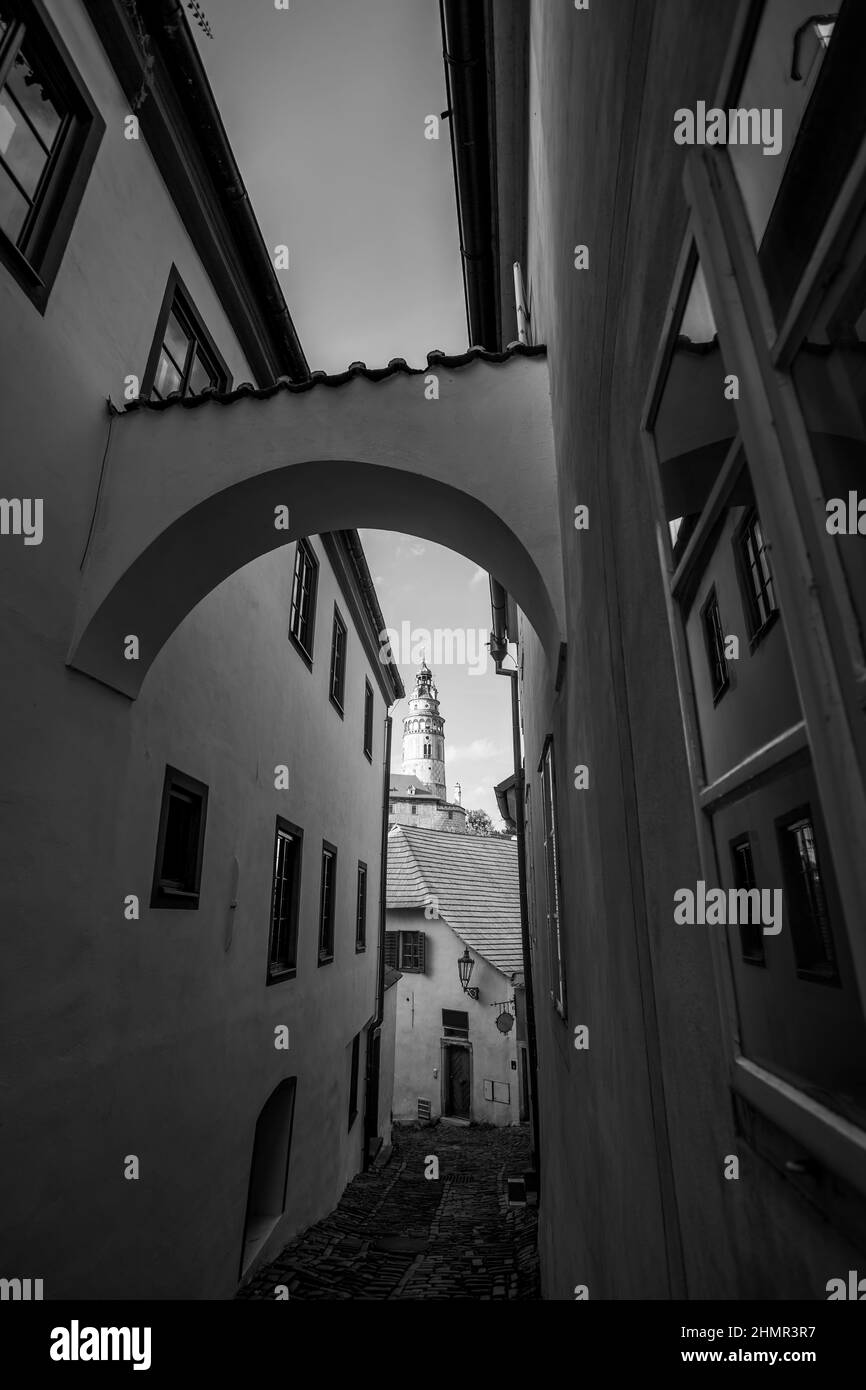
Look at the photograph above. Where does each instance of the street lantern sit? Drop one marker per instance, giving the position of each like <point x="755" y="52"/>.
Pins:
<point x="465" y="964"/>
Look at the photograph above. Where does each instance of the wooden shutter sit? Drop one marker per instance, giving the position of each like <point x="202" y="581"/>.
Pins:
<point x="422" y="952"/>
<point x="392" y="939"/>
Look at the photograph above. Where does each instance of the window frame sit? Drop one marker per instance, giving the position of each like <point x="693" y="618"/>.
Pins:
<point x="820" y="622"/>
<point x="557" y="982"/>
<point x="340" y="630"/>
<point x="369" y="717"/>
<point x="720" y="679"/>
<point x="757" y="955"/>
<point x="178" y="300"/>
<point x="758" y="627"/>
<point x="785" y="826"/>
<point x="34" y="266"/>
<point x="303" y="549"/>
<point x="328" y="851"/>
<point x="275" y="976"/>
<point x="354" y="1073"/>
<point x="168" y="897"/>
<point x="361" y="916"/>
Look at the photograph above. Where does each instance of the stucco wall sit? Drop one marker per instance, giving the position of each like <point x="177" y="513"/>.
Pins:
<point x="387" y="1053"/>
<point x="604" y="172"/>
<point x="156" y="1037"/>
<point x="420" y="1001"/>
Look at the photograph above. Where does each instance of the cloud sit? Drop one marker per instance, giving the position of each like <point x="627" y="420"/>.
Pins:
<point x="478" y="577"/>
<point x="479" y="750"/>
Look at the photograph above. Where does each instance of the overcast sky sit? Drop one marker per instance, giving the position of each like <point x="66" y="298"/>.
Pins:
<point x="325" y="105"/>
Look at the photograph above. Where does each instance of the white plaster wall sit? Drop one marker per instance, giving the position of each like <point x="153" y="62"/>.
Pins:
<point x="155" y="1037"/>
<point x="420" y="1001"/>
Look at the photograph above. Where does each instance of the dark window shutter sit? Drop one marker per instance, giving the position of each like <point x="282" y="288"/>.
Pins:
<point x="422" y="952"/>
<point x="391" y="941"/>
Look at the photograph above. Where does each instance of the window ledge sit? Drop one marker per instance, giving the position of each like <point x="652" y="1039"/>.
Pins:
<point x="306" y="657"/>
<point x="278" y="977"/>
<point x="831" y="1139"/>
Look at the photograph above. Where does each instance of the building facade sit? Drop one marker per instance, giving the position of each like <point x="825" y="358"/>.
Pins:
<point x="418" y="795"/>
<point x="192" y="882"/>
<point x="701" y="1071"/>
<point x="459" y="1055"/>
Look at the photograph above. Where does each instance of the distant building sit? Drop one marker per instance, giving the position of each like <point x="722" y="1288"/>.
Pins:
<point x="458" y="1057"/>
<point x="418" y="795"/>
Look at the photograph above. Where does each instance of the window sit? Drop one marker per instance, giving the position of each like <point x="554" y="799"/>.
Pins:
<point x="183" y="359"/>
<point x="414" y="810"/>
<point x="49" y="134"/>
<point x="180" y="842"/>
<point x="406" y="950"/>
<point x="755" y="576"/>
<point x="751" y="935"/>
<point x="338" y="662"/>
<point x="303" y="612"/>
<point x="361" y="909"/>
<point x="285" y="899"/>
<point x="428" y="749"/>
<point x="714" y="642"/>
<point x="552" y="882"/>
<point x="455" y="1024"/>
<point x="353" y="1079"/>
<point x="368" y="720"/>
<point x="805" y="899"/>
<point x="326" y="903"/>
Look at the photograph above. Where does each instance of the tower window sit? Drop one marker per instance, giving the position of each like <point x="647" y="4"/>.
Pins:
<point x="428" y="750"/>
<point x="303" y="612"/>
<point x="184" y="359"/>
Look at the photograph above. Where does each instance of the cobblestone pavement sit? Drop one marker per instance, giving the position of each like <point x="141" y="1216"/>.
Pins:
<point x="397" y="1234"/>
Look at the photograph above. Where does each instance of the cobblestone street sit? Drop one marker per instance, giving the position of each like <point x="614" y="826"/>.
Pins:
<point x="397" y="1234"/>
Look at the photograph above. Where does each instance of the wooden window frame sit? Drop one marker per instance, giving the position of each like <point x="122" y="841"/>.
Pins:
<point x="177" y="298"/>
<point x="421" y="954"/>
<point x="163" y="896"/>
<point x="758" y="627"/>
<point x="784" y="825"/>
<point x="820" y="622"/>
<point x="713" y="633"/>
<point x="756" y="956"/>
<point x="276" y="975"/>
<point x="337" y="678"/>
<point x="369" y="716"/>
<point x="325" y="958"/>
<point x="455" y="1031"/>
<point x="303" y="550"/>
<point x="361" y="908"/>
<point x="35" y="263"/>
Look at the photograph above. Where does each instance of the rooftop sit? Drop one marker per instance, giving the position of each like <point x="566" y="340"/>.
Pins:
<point x="474" y="878"/>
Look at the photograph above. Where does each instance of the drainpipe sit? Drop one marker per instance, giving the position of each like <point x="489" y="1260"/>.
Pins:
<point x="374" y="1033"/>
<point x="499" y="649"/>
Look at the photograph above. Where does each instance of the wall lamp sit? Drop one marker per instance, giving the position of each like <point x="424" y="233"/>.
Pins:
<point x="465" y="964"/>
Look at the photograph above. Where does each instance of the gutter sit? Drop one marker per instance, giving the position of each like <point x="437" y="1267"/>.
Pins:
<point x="464" y="49"/>
<point x="498" y="649"/>
<point x="374" y="1033"/>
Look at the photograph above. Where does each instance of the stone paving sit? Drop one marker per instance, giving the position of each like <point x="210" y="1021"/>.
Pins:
<point x="397" y="1234"/>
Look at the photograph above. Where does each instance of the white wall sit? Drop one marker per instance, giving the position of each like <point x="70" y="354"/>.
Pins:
<point x="420" y="1001"/>
<point x="155" y="1037"/>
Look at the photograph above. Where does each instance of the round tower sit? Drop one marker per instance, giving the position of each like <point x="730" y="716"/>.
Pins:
<point x="424" y="734"/>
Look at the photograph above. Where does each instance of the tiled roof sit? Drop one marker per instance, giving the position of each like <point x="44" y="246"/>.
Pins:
<point x="397" y="365"/>
<point x="474" y="878"/>
<point x="400" y="784"/>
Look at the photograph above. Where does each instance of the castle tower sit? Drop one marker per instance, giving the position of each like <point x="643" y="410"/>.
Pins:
<point x="424" y="734"/>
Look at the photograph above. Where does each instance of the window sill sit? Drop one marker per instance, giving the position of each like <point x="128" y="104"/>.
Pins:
<point x="278" y="977"/>
<point x="168" y="898"/>
<point x="338" y="707"/>
<point x="368" y="754"/>
<point x="306" y="657"/>
<point x="760" y="633"/>
<point x="830" y="1139"/>
<point x="22" y="271"/>
<point x="359" y="950"/>
<point x="325" y="960"/>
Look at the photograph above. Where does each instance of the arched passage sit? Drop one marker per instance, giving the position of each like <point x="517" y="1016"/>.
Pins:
<point x="190" y="495"/>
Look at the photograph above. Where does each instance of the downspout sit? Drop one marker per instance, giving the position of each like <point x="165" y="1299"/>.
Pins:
<point x="374" y="1033"/>
<point x="499" y="648"/>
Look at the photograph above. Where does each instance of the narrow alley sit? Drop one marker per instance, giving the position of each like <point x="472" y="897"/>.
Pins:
<point x="397" y="1234"/>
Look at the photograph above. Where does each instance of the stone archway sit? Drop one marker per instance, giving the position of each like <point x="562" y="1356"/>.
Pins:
<point x="191" y="490"/>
